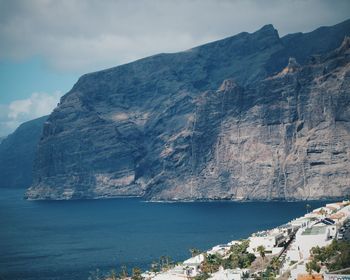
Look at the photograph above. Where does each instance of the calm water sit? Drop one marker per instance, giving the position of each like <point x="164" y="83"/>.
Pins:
<point x="68" y="239"/>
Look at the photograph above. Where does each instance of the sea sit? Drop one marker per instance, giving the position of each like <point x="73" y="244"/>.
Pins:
<point x="78" y="239"/>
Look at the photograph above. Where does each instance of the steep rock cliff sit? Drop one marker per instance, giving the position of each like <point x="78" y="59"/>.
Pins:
<point x="287" y="137"/>
<point x="17" y="152"/>
<point x="217" y="121"/>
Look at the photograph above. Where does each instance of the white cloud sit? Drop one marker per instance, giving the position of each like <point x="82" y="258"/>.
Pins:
<point x="19" y="111"/>
<point x="89" y="35"/>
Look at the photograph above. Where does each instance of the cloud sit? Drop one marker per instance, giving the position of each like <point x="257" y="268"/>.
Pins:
<point x="87" y="35"/>
<point x="19" y="111"/>
<point x="84" y="36"/>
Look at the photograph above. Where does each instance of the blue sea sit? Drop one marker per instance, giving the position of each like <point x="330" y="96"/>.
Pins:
<point x="70" y="239"/>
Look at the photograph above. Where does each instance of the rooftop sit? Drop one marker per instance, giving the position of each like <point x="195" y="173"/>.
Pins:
<point x="310" y="277"/>
<point x="287" y="225"/>
<point x="301" y="220"/>
<point x="314" y="231"/>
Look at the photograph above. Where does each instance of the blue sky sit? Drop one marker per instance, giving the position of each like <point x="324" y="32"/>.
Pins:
<point x="45" y="45"/>
<point x="18" y="79"/>
<point x="29" y="89"/>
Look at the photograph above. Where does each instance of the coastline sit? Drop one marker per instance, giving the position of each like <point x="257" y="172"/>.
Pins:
<point x="288" y="253"/>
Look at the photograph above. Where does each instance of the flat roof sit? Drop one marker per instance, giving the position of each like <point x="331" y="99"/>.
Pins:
<point x="301" y="219"/>
<point x="314" y="231"/>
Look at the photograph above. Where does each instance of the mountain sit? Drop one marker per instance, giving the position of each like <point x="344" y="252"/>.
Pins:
<point x="230" y="119"/>
<point x="17" y="152"/>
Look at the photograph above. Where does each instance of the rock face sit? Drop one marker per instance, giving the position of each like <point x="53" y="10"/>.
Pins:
<point x="231" y="119"/>
<point x="17" y="152"/>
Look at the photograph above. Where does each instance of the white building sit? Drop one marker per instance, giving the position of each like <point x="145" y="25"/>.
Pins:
<point x="334" y="206"/>
<point x="271" y="240"/>
<point x="148" y="275"/>
<point x="287" y="229"/>
<point x="233" y="242"/>
<point x="222" y="249"/>
<point x="191" y="266"/>
<point x="172" y="274"/>
<point x="229" y="274"/>
<point x="301" y="222"/>
<point x="341" y="215"/>
<point x="317" y="235"/>
<point x="298" y="270"/>
<point x="317" y="213"/>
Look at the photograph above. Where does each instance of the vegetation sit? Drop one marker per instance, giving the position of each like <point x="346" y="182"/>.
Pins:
<point x="239" y="257"/>
<point x="261" y="250"/>
<point x="136" y="274"/>
<point x="202" y="276"/>
<point x="312" y="266"/>
<point x="211" y="263"/>
<point x="95" y="275"/>
<point x="113" y="275"/>
<point x="245" y="275"/>
<point x="155" y="267"/>
<point x="240" y="248"/>
<point x="239" y="261"/>
<point x="334" y="256"/>
<point x="123" y="272"/>
<point x="275" y="264"/>
<point x="268" y="274"/>
<point x="195" y="252"/>
<point x="165" y="263"/>
<point x="272" y="269"/>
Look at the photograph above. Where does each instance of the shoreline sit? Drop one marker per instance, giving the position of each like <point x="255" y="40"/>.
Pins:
<point x="290" y="248"/>
<point x="239" y="200"/>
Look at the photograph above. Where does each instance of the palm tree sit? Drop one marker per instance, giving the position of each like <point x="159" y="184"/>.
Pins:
<point x="261" y="250"/>
<point x="136" y="274"/>
<point x="113" y="275"/>
<point x="162" y="262"/>
<point x="155" y="266"/>
<point x="165" y="262"/>
<point x="275" y="263"/>
<point x="194" y="252"/>
<point x="95" y="275"/>
<point x="123" y="272"/>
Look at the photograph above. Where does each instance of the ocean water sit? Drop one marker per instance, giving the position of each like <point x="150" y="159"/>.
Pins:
<point x="69" y="239"/>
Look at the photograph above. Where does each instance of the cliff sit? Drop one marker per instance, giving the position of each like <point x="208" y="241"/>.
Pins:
<point x="17" y="152"/>
<point x="221" y="121"/>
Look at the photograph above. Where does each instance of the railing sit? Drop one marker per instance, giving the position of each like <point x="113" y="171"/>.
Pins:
<point x="336" y="276"/>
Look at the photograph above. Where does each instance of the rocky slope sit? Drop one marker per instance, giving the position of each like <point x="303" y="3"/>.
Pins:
<point x="220" y="121"/>
<point x="17" y="152"/>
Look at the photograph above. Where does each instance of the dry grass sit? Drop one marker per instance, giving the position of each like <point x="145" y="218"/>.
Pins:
<point x="260" y="263"/>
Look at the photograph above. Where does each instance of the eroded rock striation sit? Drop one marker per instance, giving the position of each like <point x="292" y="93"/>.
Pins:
<point x="248" y="117"/>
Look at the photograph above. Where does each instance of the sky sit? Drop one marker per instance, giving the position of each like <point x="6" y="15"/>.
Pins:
<point x="46" y="45"/>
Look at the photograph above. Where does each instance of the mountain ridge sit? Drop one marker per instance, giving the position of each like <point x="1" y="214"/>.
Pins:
<point x="162" y="128"/>
<point x="17" y="152"/>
